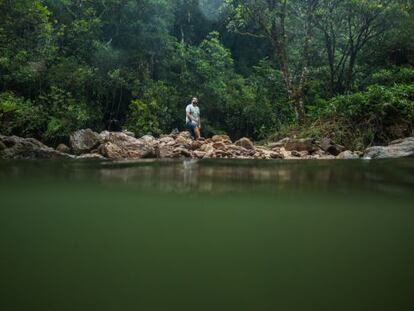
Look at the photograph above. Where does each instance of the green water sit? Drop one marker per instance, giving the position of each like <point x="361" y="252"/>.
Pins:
<point x="209" y="235"/>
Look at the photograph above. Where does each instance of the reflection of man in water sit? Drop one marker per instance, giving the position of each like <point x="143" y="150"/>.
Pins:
<point x="192" y="118"/>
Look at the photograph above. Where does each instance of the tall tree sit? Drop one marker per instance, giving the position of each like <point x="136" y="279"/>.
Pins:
<point x="276" y="20"/>
<point x="26" y="45"/>
<point x="347" y="26"/>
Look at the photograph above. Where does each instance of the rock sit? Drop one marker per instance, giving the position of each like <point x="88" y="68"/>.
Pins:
<point x="184" y="141"/>
<point x="28" y="148"/>
<point x="2" y="146"/>
<point x="397" y="141"/>
<point x="84" y="141"/>
<point x="286" y="154"/>
<point x="196" y="145"/>
<point x="111" y="151"/>
<point x="164" y="151"/>
<point x="276" y="155"/>
<point x="279" y="144"/>
<point x="325" y="143"/>
<point x="185" y="135"/>
<point x="328" y="146"/>
<point x="207" y="147"/>
<point x="175" y="132"/>
<point x="118" y="145"/>
<point x="63" y="148"/>
<point x="335" y="149"/>
<point x="221" y="138"/>
<point x="219" y="145"/>
<point x="305" y="144"/>
<point x="347" y="155"/>
<point x="182" y="152"/>
<point x="166" y="140"/>
<point x="129" y="133"/>
<point x="268" y="154"/>
<point x="399" y="149"/>
<point x="91" y="156"/>
<point x="199" y="154"/>
<point x="296" y="154"/>
<point x="148" y="138"/>
<point x="245" y="143"/>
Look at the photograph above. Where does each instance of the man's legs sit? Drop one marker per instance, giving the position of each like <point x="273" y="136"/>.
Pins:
<point x="197" y="133"/>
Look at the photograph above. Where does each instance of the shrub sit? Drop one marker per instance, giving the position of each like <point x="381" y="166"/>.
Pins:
<point x="390" y="77"/>
<point x="143" y="118"/>
<point x="19" y="116"/>
<point x="64" y="114"/>
<point x="376" y="116"/>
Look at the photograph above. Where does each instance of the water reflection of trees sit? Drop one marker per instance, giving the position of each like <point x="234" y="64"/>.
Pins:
<point x="270" y="176"/>
<point x="222" y="176"/>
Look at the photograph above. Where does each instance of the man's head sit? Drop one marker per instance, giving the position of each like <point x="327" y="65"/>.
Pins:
<point x="194" y="101"/>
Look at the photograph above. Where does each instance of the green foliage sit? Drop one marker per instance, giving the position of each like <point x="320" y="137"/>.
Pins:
<point x="26" y="43"/>
<point x="64" y="113"/>
<point x="69" y="64"/>
<point x="378" y="115"/>
<point x="19" y="116"/>
<point x="393" y="76"/>
<point x="143" y="118"/>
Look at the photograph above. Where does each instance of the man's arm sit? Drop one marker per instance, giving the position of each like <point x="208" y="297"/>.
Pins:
<point x="190" y="116"/>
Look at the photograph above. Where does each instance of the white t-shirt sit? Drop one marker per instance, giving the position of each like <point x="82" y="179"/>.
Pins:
<point x="195" y="113"/>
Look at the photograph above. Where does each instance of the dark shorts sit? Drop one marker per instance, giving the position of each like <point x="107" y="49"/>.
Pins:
<point x="191" y="127"/>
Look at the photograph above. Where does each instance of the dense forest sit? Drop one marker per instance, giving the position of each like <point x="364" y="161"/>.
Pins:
<point x="260" y="68"/>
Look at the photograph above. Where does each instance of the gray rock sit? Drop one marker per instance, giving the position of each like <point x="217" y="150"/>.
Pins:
<point x="84" y="141"/>
<point x="63" y="148"/>
<point x="328" y="146"/>
<point x="129" y="133"/>
<point x="305" y="144"/>
<point x="28" y="148"/>
<point x="348" y="155"/>
<point x="279" y="144"/>
<point x="399" y="149"/>
<point x="2" y="146"/>
<point x="325" y="143"/>
<point x="148" y="138"/>
<point x="91" y="156"/>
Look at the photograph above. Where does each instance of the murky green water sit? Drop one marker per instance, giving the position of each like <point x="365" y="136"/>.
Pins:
<point x="211" y="235"/>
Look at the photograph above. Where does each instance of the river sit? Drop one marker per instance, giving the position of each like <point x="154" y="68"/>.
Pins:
<point x="207" y="235"/>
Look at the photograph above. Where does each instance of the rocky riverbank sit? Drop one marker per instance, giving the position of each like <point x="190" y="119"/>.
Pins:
<point x="86" y="144"/>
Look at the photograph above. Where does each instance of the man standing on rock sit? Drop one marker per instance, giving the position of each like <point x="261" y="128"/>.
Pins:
<point x="193" y="120"/>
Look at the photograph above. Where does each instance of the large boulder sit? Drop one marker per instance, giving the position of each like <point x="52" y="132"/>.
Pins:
<point x="147" y="138"/>
<point x="13" y="147"/>
<point x="279" y="144"/>
<point x="2" y="146"/>
<point x="402" y="148"/>
<point x="328" y="146"/>
<point x="245" y="143"/>
<point x="63" y="148"/>
<point x="348" y="155"/>
<point x="304" y="144"/>
<point x="83" y="141"/>
<point x="117" y="145"/>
